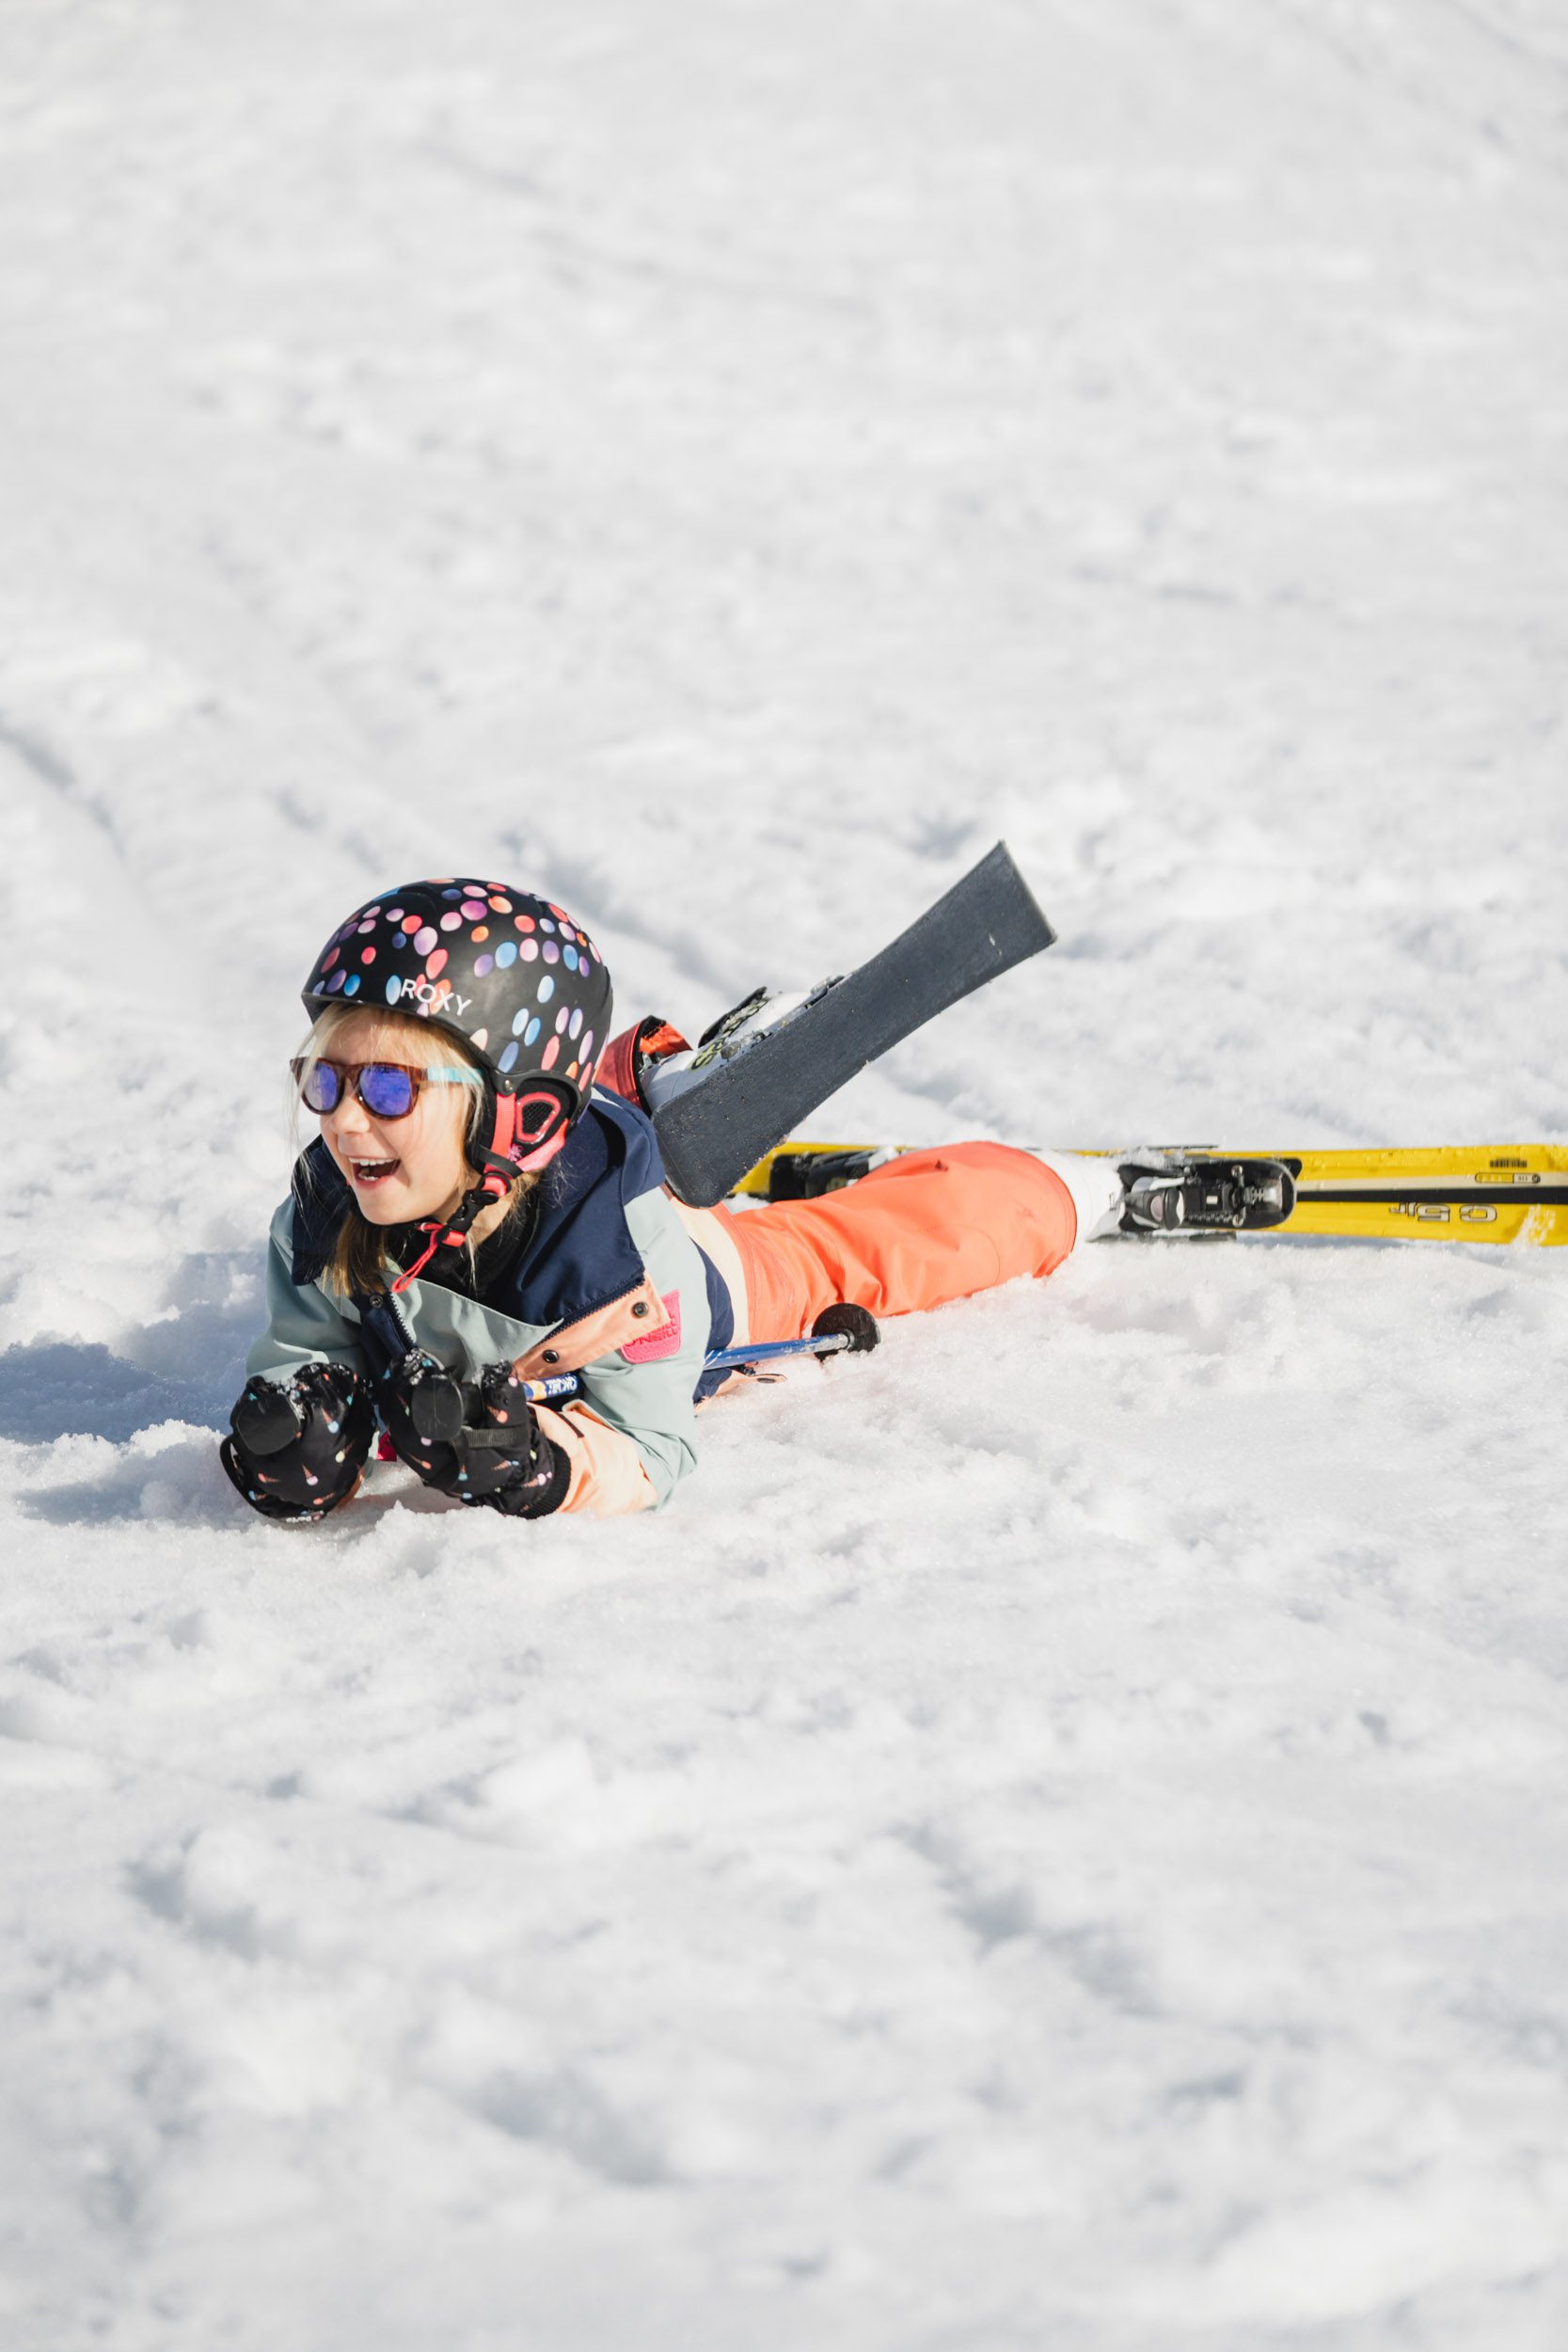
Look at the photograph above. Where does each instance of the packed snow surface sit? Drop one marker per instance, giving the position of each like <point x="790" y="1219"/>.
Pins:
<point x="1059" y="1837"/>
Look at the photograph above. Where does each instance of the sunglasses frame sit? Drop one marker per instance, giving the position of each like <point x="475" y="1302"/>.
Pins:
<point x="351" y="1074"/>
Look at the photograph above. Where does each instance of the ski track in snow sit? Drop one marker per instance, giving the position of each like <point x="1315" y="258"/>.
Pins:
<point x="1059" y="1837"/>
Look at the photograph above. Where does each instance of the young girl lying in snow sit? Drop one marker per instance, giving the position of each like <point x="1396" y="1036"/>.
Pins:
<point x="485" y="1196"/>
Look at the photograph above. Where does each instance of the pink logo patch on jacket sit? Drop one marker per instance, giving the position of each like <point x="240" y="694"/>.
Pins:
<point x="658" y="1344"/>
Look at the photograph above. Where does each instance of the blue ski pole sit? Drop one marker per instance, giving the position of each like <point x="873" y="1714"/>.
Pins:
<point x="840" y="1331"/>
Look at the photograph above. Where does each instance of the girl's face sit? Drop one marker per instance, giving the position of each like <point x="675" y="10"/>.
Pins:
<point x="401" y="1169"/>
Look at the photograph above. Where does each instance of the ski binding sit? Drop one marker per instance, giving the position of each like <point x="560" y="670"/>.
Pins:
<point x="1200" y="1197"/>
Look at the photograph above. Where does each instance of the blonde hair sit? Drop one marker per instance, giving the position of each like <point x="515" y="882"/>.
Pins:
<point x="360" y="1263"/>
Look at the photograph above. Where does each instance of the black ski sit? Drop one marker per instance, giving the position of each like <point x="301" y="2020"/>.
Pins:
<point x="714" y="1132"/>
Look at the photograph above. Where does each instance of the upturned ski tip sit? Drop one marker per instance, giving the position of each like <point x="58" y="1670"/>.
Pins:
<point x="713" y="1132"/>
<point x="1007" y="863"/>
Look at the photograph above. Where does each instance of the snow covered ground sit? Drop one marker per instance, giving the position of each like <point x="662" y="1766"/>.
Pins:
<point x="1059" y="1838"/>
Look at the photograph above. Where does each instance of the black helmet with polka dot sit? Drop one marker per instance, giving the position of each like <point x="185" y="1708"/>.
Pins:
<point x="513" y="976"/>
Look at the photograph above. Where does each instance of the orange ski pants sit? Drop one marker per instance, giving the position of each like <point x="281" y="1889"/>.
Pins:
<point x="924" y="1229"/>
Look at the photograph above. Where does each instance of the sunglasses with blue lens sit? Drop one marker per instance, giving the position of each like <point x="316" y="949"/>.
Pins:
<point x="388" y="1089"/>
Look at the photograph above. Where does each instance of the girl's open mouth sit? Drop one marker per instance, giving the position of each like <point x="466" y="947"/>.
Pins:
<point x="368" y="1173"/>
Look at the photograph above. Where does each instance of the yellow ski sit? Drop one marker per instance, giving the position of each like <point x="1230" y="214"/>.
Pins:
<point x="1454" y="1192"/>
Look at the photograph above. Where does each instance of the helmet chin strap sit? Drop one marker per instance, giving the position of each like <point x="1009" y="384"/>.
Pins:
<point x="500" y="1164"/>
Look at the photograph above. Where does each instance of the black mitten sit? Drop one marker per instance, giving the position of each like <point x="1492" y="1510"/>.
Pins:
<point x="478" y="1442"/>
<point x="300" y="1447"/>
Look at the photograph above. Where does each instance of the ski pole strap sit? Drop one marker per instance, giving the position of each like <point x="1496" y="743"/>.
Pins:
<point x="562" y="1388"/>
